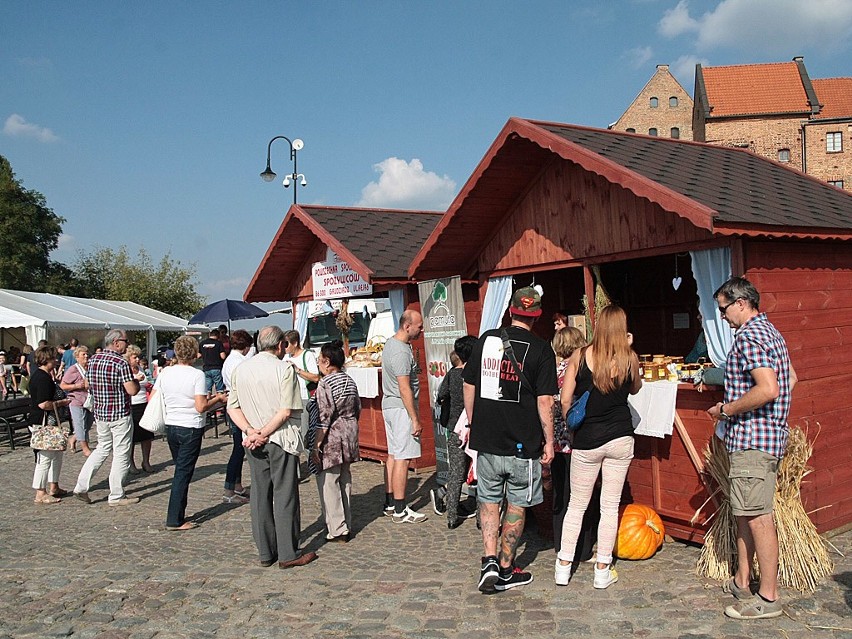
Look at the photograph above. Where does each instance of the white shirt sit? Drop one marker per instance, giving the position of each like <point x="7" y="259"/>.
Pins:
<point x="234" y="359"/>
<point x="306" y="361"/>
<point x="179" y="385"/>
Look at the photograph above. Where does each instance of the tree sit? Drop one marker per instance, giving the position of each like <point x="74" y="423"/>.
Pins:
<point x="167" y="286"/>
<point x="29" y="231"/>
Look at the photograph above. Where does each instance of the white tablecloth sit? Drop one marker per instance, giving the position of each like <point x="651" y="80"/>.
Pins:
<point x="366" y="379"/>
<point x="653" y="408"/>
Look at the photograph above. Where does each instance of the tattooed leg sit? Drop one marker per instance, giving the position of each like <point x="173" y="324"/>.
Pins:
<point x="513" y="528"/>
<point x="490" y="517"/>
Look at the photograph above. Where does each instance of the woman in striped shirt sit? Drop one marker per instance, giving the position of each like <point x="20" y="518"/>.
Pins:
<point x="336" y="441"/>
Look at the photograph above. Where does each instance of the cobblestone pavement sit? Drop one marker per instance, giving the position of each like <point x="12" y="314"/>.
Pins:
<point x="95" y="571"/>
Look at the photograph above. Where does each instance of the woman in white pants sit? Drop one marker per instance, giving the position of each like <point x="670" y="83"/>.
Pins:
<point x="42" y="391"/>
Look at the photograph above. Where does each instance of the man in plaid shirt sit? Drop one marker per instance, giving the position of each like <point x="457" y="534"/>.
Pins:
<point x="759" y="380"/>
<point x="111" y="384"/>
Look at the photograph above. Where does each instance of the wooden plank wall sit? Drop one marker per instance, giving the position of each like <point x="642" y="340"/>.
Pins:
<point x="572" y="214"/>
<point x="806" y="291"/>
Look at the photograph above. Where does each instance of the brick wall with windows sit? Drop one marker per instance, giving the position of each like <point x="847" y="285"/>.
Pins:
<point x="765" y="136"/>
<point x="831" y="166"/>
<point x="672" y="115"/>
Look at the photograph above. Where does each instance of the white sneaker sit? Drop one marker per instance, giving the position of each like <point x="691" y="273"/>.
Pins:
<point x="605" y="577"/>
<point x="562" y="574"/>
<point x="408" y="516"/>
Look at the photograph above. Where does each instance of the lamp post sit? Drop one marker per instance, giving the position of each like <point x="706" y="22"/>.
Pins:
<point x="268" y="175"/>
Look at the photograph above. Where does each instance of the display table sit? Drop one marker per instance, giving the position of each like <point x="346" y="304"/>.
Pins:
<point x="667" y="473"/>
<point x="366" y="379"/>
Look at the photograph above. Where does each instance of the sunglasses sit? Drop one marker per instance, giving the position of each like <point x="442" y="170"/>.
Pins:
<point x="724" y="309"/>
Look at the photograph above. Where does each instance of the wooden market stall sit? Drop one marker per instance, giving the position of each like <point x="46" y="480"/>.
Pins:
<point x="571" y="207"/>
<point x="379" y="245"/>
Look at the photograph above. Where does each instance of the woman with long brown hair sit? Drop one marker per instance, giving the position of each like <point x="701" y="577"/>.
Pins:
<point x="609" y="370"/>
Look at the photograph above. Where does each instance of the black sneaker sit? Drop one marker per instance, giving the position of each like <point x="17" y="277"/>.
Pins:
<point x="465" y="511"/>
<point x="512" y="577"/>
<point x="489" y="575"/>
<point x="438" y="502"/>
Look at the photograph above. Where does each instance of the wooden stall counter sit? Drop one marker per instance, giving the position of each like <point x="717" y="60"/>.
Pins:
<point x="372" y="441"/>
<point x="667" y="473"/>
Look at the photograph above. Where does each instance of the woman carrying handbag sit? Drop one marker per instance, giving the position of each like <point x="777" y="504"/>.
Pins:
<point x="49" y="438"/>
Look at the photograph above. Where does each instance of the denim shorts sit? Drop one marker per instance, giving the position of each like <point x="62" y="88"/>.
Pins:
<point x="518" y="480"/>
<point x="752" y="477"/>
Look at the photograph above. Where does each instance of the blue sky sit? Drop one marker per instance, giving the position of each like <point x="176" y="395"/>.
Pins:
<point x="146" y="123"/>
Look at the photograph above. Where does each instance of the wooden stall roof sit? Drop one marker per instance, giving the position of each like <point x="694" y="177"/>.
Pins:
<point x="377" y="243"/>
<point x="727" y="191"/>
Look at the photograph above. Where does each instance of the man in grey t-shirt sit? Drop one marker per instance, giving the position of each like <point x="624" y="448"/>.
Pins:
<point x="400" y="390"/>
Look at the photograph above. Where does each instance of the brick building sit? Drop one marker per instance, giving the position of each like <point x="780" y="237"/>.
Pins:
<point x="778" y="112"/>
<point x="663" y="108"/>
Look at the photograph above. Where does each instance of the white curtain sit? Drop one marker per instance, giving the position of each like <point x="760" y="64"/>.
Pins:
<point x="35" y="334"/>
<point x="301" y="321"/>
<point x="396" y="297"/>
<point x="497" y="297"/>
<point x="711" y="269"/>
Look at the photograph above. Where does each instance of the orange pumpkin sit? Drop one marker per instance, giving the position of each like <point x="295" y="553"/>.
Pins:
<point x="640" y="532"/>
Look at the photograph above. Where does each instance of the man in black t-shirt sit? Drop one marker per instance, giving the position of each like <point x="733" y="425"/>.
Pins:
<point x="511" y="428"/>
<point x="213" y="355"/>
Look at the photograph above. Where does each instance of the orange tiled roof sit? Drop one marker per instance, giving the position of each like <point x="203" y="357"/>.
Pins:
<point x="751" y="89"/>
<point x="835" y="94"/>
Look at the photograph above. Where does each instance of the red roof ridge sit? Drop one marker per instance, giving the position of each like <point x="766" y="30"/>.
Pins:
<point x="370" y="208"/>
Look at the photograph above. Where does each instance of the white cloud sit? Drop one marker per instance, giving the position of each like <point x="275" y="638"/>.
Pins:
<point x="406" y="185"/>
<point x="677" y="21"/>
<point x="638" y="56"/>
<point x="775" y="27"/>
<point x="16" y="126"/>
<point x="684" y="70"/>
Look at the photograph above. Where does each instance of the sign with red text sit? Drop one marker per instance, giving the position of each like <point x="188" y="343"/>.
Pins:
<point x="335" y="279"/>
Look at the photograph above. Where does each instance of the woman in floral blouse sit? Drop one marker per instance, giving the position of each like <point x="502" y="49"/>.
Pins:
<point x="336" y="441"/>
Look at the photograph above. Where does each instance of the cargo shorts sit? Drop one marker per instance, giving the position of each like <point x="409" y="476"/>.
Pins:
<point x="752" y="481"/>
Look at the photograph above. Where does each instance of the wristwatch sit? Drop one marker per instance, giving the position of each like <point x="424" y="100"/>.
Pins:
<point x="722" y="412"/>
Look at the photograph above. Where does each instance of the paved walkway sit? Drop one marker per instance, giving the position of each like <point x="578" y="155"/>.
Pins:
<point x="96" y="571"/>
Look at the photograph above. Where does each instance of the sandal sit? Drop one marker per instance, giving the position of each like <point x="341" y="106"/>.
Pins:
<point x="189" y="525"/>
<point x="47" y="499"/>
<point x="236" y="498"/>
<point x="242" y="493"/>
<point x="60" y="492"/>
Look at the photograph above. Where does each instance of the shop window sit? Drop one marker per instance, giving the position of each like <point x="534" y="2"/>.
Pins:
<point x="783" y="155"/>
<point x="652" y="131"/>
<point x="673" y="101"/>
<point x="675" y="133"/>
<point x="837" y="183"/>
<point x="654" y="103"/>
<point x="631" y="130"/>
<point x="834" y="142"/>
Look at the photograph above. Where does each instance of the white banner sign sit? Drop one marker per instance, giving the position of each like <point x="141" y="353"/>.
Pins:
<point x="334" y="279"/>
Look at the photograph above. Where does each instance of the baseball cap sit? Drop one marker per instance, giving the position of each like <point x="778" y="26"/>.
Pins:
<point x="526" y="302"/>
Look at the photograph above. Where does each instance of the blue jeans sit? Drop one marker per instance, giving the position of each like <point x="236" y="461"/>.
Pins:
<point x="185" y="445"/>
<point x="234" y="471"/>
<point x="213" y="378"/>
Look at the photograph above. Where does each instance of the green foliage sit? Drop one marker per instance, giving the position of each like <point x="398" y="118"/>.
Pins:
<point x="167" y="285"/>
<point x="29" y="231"/>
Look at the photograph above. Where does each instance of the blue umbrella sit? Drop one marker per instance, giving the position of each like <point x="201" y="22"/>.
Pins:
<point x="225" y="311"/>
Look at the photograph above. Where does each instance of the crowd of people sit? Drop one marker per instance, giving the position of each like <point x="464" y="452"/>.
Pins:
<point x="509" y="397"/>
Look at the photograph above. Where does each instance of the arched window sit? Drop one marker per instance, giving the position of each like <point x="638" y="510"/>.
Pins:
<point x="673" y="101"/>
<point x="652" y="131"/>
<point x="783" y="155"/>
<point x="654" y="103"/>
<point x="631" y="130"/>
<point x="675" y="133"/>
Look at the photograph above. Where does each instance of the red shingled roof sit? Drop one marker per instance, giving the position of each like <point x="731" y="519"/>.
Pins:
<point x="752" y="89"/>
<point x="835" y="94"/>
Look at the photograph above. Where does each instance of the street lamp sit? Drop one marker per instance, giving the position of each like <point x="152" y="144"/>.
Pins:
<point x="268" y="175"/>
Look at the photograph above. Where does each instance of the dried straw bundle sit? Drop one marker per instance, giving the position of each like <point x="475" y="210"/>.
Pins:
<point x="719" y="555"/>
<point x="803" y="556"/>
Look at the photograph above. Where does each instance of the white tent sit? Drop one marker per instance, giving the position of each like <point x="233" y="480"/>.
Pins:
<point x="41" y="313"/>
